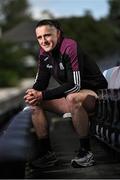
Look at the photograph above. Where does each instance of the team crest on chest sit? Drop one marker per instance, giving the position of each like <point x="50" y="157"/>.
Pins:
<point x="61" y="66"/>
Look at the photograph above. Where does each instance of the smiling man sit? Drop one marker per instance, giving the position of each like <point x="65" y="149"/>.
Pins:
<point x="47" y="37"/>
<point x="79" y="78"/>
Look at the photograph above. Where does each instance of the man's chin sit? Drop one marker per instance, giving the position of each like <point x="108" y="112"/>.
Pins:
<point x="48" y="49"/>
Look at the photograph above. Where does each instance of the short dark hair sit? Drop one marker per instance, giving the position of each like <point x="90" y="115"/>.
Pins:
<point x="50" y="22"/>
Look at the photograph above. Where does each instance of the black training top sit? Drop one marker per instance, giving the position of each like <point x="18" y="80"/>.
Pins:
<point x="71" y="67"/>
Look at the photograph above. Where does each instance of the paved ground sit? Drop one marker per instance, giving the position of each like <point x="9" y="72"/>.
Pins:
<point x="65" y="143"/>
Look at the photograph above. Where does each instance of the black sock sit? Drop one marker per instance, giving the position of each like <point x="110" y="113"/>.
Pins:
<point x="85" y="143"/>
<point x="44" y="146"/>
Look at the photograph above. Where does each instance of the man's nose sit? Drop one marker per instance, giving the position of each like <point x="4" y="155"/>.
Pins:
<point x="43" y="40"/>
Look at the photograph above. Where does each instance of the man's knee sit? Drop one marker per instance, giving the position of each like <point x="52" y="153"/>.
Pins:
<point x="74" y="101"/>
<point x="82" y="99"/>
<point x="35" y="110"/>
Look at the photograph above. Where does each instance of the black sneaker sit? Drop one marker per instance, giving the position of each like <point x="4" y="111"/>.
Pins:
<point x="83" y="159"/>
<point x="48" y="160"/>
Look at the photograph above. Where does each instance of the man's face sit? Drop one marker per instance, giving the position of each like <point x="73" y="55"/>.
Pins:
<point x="47" y="37"/>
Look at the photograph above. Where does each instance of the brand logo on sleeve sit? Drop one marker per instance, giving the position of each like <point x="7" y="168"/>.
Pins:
<point x="49" y="66"/>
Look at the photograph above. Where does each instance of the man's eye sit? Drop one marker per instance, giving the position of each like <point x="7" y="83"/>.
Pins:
<point x="48" y="35"/>
<point x="39" y="38"/>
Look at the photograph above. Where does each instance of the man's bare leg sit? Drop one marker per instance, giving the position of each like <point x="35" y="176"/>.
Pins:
<point x="39" y="118"/>
<point x="41" y="126"/>
<point x="81" y="104"/>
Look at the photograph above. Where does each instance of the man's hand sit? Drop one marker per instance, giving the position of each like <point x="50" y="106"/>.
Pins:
<point x="33" y="97"/>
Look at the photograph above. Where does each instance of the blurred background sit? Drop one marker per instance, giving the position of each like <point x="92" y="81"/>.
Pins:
<point x="94" y="23"/>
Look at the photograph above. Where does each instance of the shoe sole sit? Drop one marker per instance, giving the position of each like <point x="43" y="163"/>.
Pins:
<point x="77" y="165"/>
